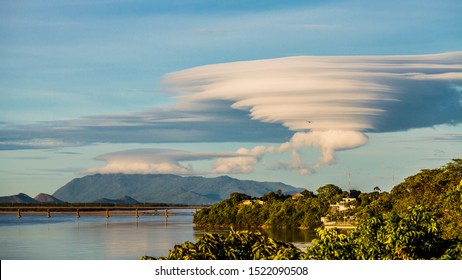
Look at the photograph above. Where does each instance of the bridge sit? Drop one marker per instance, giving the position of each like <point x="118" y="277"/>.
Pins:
<point x="95" y="210"/>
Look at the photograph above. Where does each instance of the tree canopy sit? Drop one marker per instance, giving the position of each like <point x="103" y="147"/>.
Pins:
<point x="412" y="236"/>
<point x="421" y="218"/>
<point x="237" y="245"/>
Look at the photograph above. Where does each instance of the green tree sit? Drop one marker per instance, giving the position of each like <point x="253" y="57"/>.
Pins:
<point x="329" y="193"/>
<point x="238" y="197"/>
<point x="373" y="205"/>
<point x="237" y="245"/>
<point x="414" y="235"/>
<point x="355" y="193"/>
<point x="439" y="191"/>
<point x="307" y="194"/>
<point x="269" y="196"/>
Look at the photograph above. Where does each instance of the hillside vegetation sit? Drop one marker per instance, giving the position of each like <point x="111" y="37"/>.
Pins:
<point x="421" y="218"/>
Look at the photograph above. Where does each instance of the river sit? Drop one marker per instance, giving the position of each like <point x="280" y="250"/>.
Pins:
<point x="64" y="237"/>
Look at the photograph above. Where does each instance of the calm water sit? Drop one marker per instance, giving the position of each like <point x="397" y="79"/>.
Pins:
<point x="64" y="237"/>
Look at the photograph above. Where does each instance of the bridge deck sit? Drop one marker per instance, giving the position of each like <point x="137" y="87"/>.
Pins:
<point x="97" y="210"/>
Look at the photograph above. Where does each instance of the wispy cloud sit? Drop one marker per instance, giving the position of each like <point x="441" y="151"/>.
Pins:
<point x="35" y="143"/>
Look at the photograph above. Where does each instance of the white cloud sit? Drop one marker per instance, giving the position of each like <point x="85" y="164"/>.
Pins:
<point x="139" y="167"/>
<point x="234" y="165"/>
<point x="328" y="142"/>
<point x="168" y="161"/>
<point x="243" y="162"/>
<point x="336" y="99"/>
<point x="334" y="93"/>
<point x="143" y="161"/>
<point x="214" y="102"/>
<point x="327" y="103"/>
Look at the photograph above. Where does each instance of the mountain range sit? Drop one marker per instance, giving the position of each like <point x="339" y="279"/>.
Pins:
<point x="163" y="188"/>
<point x="24" y="198"/>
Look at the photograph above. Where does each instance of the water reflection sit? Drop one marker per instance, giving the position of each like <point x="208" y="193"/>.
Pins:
<point x="63" y="236"/>
<point x="291" y="235"/>
<point x="91" y="237"/>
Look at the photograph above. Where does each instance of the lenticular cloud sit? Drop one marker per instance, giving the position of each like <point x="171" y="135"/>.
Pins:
<point x="169" y="161"/>
<point x="329" y="93"/>
<point x="335" y="100"/>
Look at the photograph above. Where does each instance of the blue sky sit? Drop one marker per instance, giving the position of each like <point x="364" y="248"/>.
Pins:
<point x="354" y="93"/>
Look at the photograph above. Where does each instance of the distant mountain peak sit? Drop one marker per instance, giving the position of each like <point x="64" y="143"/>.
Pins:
<point x="19" y="198"/>
<point x="163" y="188"/>
<point x="46" y="198"/>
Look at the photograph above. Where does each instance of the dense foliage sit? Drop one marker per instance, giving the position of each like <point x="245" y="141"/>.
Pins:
<point x="420" y="219"/>
<point x="271" y="210"/>
<point x="414" y="235"/>
<point x="437" y="191"/>
<point x="235" y="246"/>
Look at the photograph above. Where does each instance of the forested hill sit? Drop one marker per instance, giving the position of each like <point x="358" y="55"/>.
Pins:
<point x="421" y="218"/>
<point x="163" y="188"/>
<point x="438" y="191"/>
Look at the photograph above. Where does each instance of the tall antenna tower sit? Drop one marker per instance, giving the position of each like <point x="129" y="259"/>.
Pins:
<point x="349" y="181"/>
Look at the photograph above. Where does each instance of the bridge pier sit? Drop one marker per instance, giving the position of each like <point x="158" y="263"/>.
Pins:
<point x="166" y="216"/>
<point x="19" y="213"/>
<point x="77" y="214"/>
<point x="48" y="213"/>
